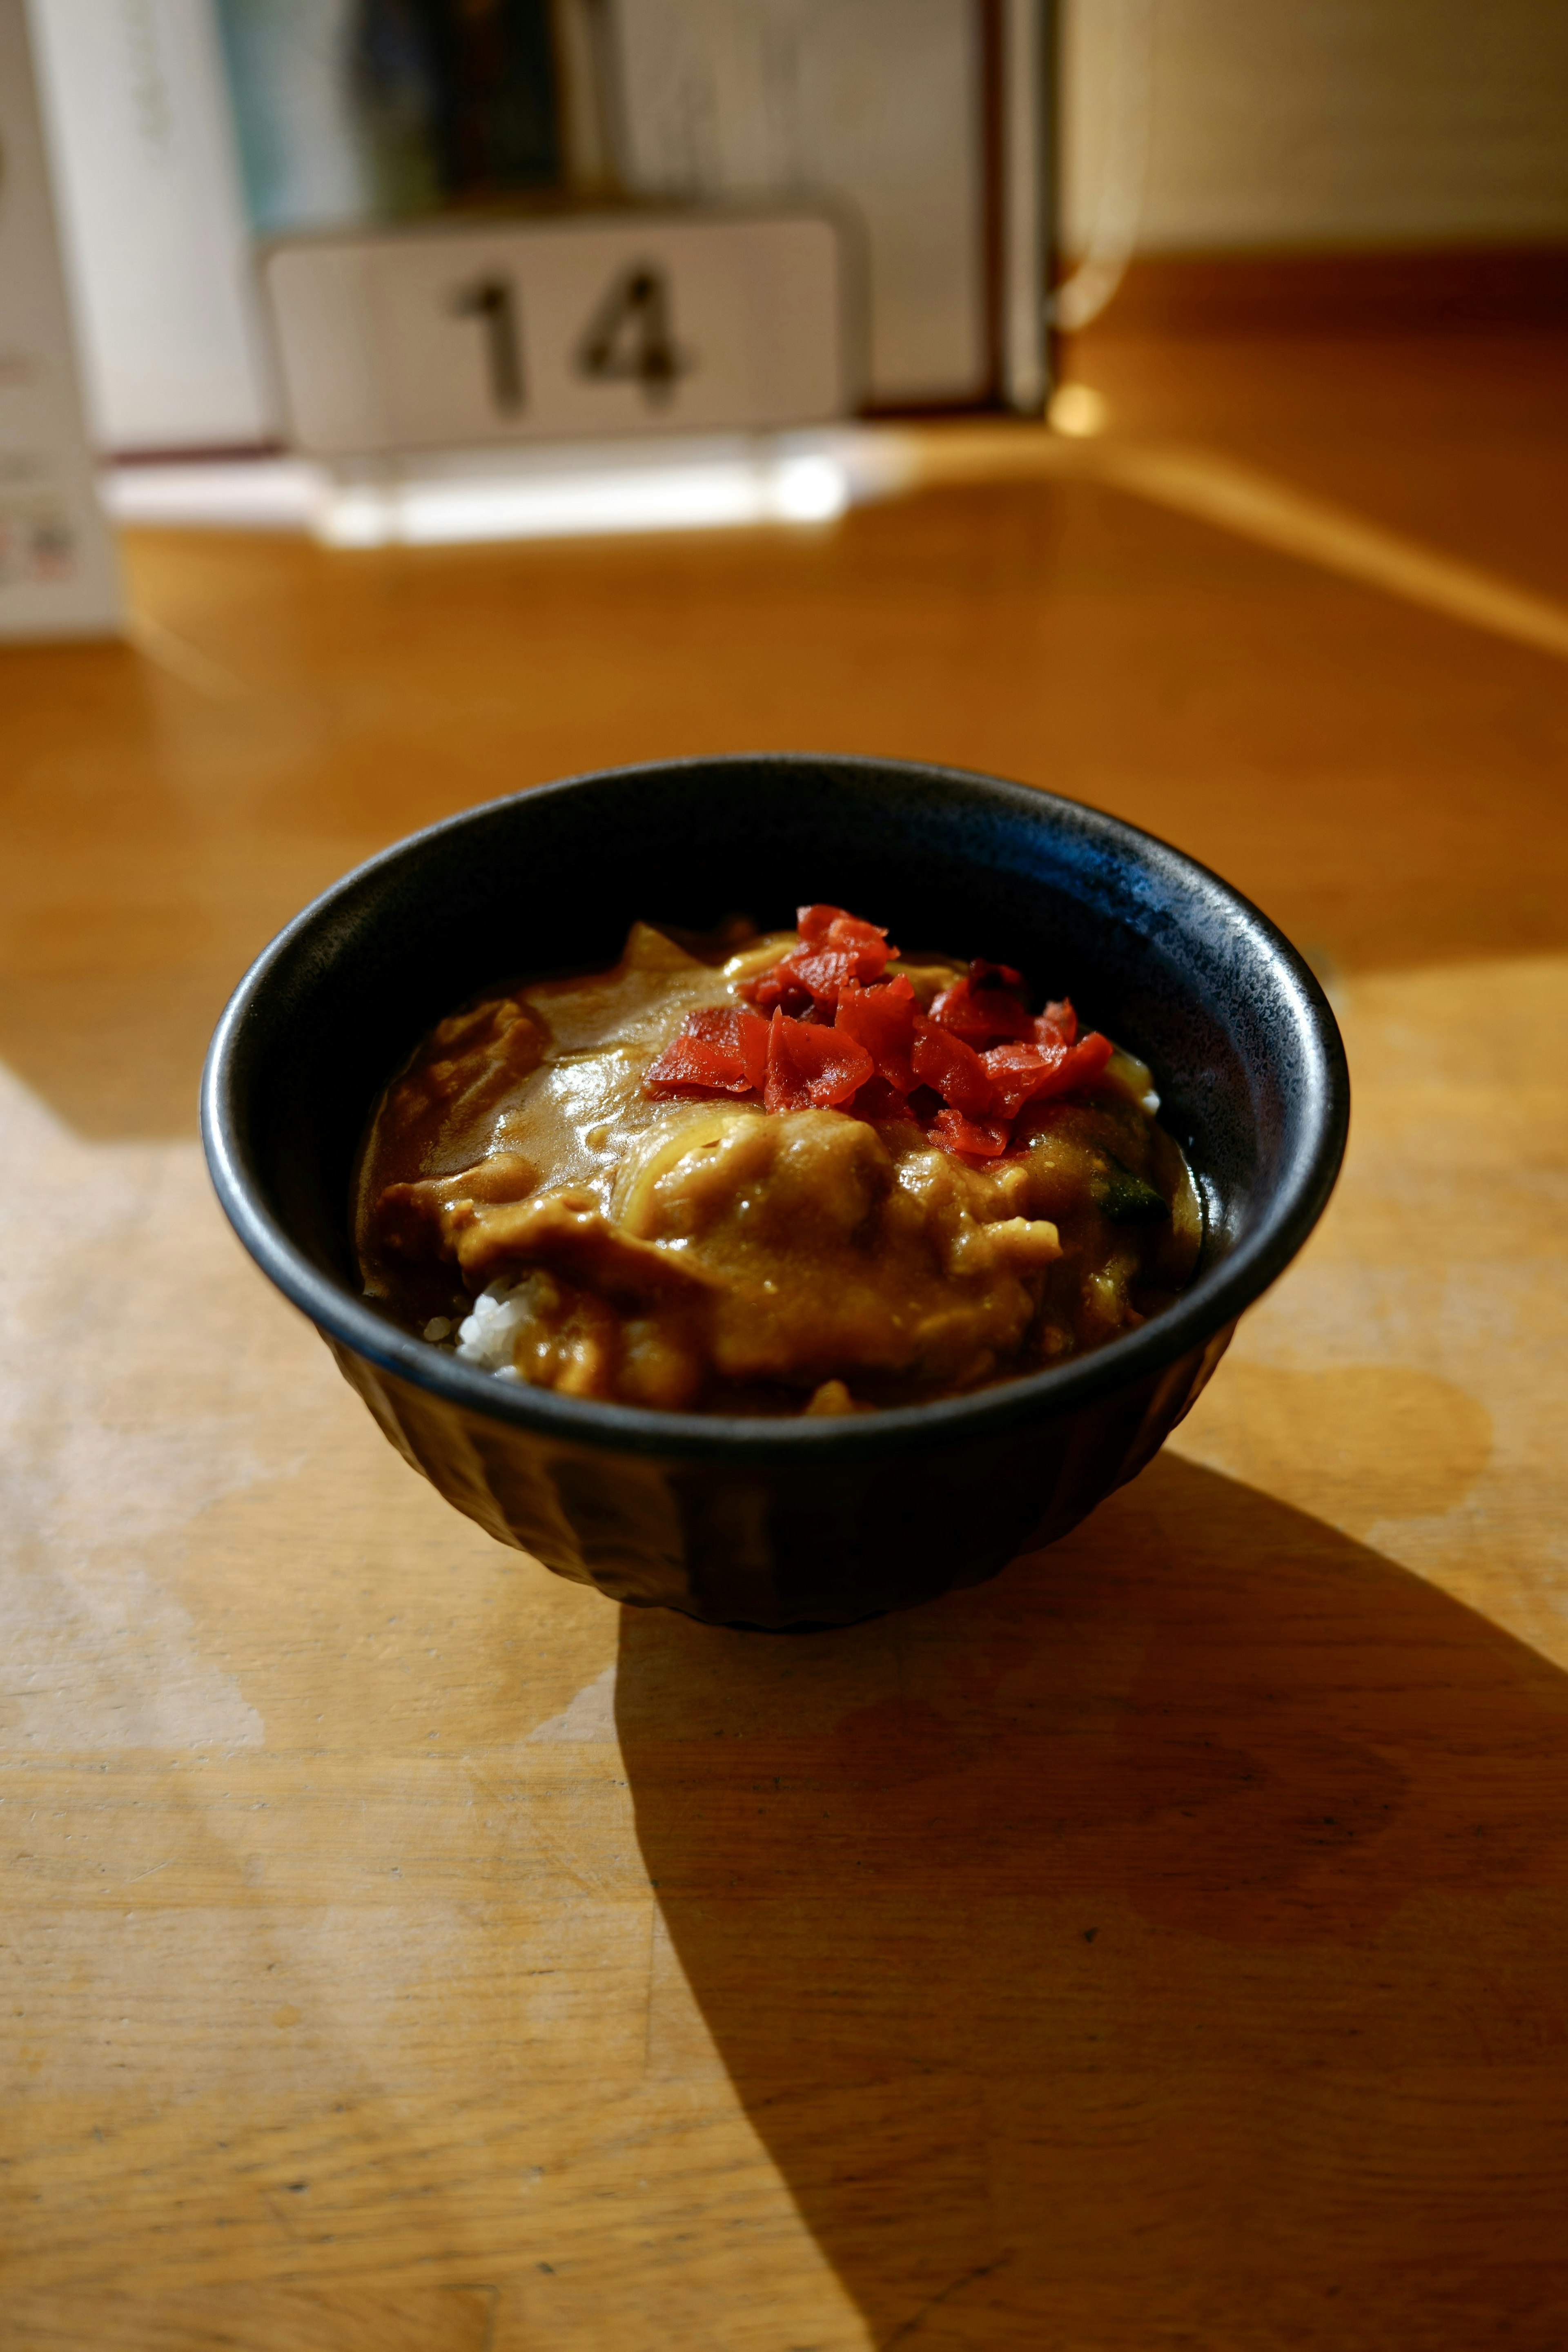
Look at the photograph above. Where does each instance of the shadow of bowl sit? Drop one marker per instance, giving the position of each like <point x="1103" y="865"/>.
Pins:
<point x="1164" y="1948"/>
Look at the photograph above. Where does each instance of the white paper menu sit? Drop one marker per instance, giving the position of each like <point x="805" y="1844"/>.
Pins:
<point x="58" y="572"/>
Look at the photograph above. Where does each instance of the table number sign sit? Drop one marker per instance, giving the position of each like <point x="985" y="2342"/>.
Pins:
<point x="626" y="322"/>
<point x="56" y="565"/>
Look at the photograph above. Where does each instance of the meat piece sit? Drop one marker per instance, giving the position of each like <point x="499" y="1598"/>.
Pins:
<point x="419" y="1224"/>
<point x="463" y="1074"/>
<point x="569" y="1234"/>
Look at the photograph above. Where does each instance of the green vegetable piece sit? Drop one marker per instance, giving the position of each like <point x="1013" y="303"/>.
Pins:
<point x="1126" y="1198"/>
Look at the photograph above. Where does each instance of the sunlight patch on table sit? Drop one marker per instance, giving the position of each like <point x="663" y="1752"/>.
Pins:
<point x="1407" y="1379"/>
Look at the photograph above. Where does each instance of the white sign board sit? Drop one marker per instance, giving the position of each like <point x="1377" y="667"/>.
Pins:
<point x="616" y="323"/>
<point x="56" y="566"/>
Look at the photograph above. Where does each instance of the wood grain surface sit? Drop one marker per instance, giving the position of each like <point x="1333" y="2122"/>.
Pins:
<point x="1163" y="1945"/>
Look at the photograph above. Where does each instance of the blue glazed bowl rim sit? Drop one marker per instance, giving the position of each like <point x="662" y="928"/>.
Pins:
<point x="1219" y="1295"/>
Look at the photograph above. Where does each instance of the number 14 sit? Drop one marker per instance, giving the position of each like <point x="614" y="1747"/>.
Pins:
<point x="628" y="340"/>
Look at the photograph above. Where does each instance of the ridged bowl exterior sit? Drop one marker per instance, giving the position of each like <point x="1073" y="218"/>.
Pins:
<point x="763" y="1522"/>
<point x="802" y="1543"/>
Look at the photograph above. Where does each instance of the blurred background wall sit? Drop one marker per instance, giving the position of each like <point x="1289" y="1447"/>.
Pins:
<point x="1208" y="128"/>
<point x="1249" y="124"/>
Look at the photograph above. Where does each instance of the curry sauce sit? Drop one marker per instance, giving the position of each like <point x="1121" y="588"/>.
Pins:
<point x="795" y="1173"/>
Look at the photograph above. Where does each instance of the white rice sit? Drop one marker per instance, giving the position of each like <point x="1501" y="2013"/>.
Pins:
<point x="488" y="1338"/>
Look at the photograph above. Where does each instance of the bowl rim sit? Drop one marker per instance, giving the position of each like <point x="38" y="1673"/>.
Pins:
<point x="1214" y="1300"/>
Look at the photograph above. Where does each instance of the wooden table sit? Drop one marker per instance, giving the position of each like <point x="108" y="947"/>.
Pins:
<point x="1165" y="1945"/>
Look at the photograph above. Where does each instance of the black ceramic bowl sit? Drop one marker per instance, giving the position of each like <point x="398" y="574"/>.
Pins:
<point x="807" y="1522"/>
